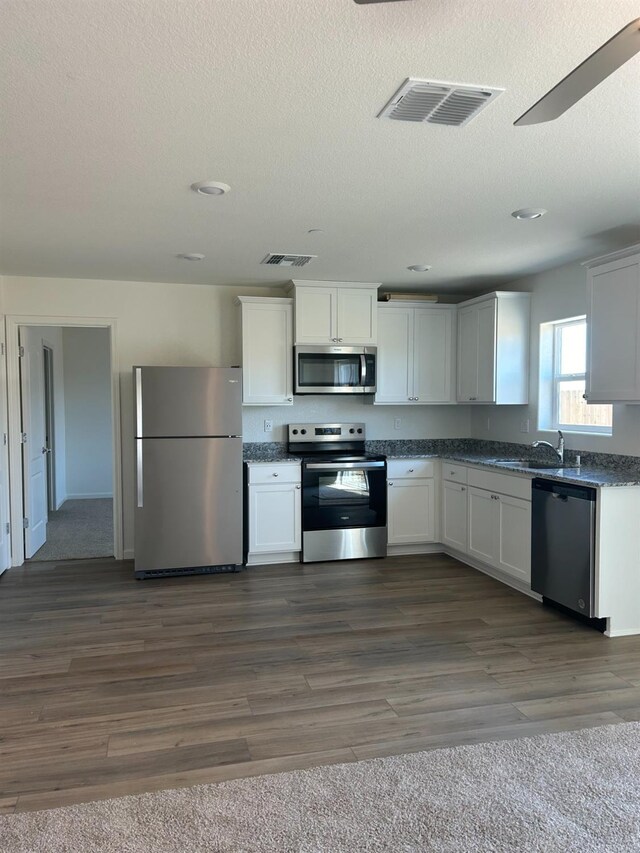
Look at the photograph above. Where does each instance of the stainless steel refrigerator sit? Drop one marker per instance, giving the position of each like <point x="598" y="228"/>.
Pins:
<point x="188" y="490"/>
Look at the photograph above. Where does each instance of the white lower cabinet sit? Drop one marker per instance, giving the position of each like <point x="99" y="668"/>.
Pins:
<point x="454" y="515"/>
<point x="500" y="532"/>
<point x="274" y="513"/>
<point x="411" y="502"/>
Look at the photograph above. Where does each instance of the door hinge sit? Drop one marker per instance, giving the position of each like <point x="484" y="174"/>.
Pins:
<point x="25" y="523"/>
<point x="4" y="438"/>
<point x="23" y="438"/>
<point x="7" y="528"/>
<point x="20" y="352"/>
<point x="2" y="349"/>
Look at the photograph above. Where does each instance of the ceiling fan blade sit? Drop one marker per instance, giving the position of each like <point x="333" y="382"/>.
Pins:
<point x="606" y="59"/>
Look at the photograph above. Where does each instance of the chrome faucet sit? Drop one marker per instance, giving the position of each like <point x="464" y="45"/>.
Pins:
<point x="559" y="450"/>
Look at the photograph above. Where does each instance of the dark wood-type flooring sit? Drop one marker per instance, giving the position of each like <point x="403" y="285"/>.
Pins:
<point x="111" y="686"/>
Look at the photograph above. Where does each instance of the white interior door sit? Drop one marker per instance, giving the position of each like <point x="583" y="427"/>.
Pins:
<point x="34" y="455"/>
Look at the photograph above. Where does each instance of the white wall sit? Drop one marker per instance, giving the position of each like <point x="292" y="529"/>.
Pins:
<point x="87" y="403"/>
<point x="163" y="324"/>
<point x="416" y="421"/>
<point x="556" y="294"/>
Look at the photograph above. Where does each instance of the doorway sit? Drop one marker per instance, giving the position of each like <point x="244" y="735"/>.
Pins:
<point x="63" y="409"/>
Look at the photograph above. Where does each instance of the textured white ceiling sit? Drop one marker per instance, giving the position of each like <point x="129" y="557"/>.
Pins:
<point x="112" y="108"/>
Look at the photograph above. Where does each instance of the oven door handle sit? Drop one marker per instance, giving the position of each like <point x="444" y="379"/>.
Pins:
<point x="342" y="466"/>
<point x="363" y="370"/>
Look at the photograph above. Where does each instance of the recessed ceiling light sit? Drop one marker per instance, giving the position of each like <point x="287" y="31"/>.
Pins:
<point x="190" y="256"/>
<point x="419" y="267"/>
<point x="210" y="188"/>
<point x="529" y="213"/>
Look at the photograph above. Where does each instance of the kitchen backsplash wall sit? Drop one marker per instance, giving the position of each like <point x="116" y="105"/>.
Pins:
<point x="415" y="421"/>
<point x="557" y="294"/>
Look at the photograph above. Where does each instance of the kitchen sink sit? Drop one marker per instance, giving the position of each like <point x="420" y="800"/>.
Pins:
<point x="533" y="463"/>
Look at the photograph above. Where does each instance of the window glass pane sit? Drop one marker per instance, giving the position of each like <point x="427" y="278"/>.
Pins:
<point x="573" y="409"/>
<point x="573" y="348"/>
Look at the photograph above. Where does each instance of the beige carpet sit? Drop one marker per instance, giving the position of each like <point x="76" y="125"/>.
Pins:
<point x="575" y="791"/>
<point x="80" y="529"/>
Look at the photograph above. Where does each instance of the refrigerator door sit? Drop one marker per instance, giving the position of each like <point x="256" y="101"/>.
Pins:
<point x="187" y="401"/>
<point x="188" y="503"/>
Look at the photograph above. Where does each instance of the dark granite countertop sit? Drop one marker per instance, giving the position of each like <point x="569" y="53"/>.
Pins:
<point x="596" y="470"/>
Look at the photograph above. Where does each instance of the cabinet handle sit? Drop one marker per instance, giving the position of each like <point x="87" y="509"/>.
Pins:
<point x="289" y="399"/>
<point x="275" y="474"/>
<point x="340" y="339"/>
<point x="585" y="396"/>
<point x="463" y="489"/>
<point x="473" y="398"/>
<point x="411" y="470"/>
<point x="390" y="483"/>
<point x="297" y="487"/>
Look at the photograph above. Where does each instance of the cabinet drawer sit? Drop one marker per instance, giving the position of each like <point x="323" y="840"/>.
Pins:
<point x="274" y="472"/>
<point x="456" y="473"/>
<point x="409" y="468"/>
<point x="504" y="484"/>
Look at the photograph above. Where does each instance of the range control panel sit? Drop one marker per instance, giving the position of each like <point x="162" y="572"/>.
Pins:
<point x="326" y="432"/>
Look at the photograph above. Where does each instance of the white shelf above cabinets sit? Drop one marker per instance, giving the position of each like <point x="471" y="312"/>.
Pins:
<point x="267" y="351"/>
<point x="613" y="328"/>
<point x="493" y="349"/>
<point x="335" y="312"/>
<point x="416" y="354"/>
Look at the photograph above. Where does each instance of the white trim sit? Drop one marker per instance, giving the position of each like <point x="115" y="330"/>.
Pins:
<point x="612" y="256"/>
<point x="273" y="558"/>
<point x="408" y="550"/>
<point x="127" y="554"/>
<point x="496" y="574"/>
<point x="88" y="496"/>
<point x="13" y="323"/>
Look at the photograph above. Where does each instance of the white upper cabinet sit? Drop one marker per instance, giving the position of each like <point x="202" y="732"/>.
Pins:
<point x="493" y="349"/>
<point x="416" y="354"/>
<point x="613" y="328"/>
<point x="267" y="351"/>
<point x="336" y="312"/>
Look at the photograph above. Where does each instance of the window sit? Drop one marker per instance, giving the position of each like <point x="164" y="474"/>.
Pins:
<point x="564" y="347"/>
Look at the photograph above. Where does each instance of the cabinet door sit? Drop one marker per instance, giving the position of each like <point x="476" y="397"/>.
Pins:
<point x="316" y="315"/>
<point x="483" y="510"/>
<point x="514" y="537"/>
<point x="613" y="323"/>
<point x="357" y="315"/>
<point x="468" y="353"/>
<point x="454" y="515"/>
<point x="486" y="356"/>
<point x="411" y="511"/>
<point x="267" y="354"/>
<point x="275" y="520"/>
<point x="395" y="354"/>
<point x="432" y="355"/>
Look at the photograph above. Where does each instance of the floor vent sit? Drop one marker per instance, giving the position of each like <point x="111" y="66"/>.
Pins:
<point x="436" y="102"/>
<point x="280" y="260"/>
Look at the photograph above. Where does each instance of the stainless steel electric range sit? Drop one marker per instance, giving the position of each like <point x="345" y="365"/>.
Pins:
<point x="344" y="493"/>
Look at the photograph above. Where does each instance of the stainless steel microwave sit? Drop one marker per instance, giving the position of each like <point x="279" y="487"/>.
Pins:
<point x="335" y="370"/>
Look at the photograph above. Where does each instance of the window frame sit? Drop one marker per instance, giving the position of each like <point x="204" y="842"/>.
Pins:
<point x="557" y="377"/>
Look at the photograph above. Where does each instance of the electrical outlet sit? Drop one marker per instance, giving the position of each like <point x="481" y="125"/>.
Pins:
<point x="268" y="425"/>
<point x="397" y="422"/>
<point x="524" y="425"/>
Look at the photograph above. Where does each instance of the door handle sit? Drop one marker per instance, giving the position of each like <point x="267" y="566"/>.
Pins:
<point x="46" y="449"/>
<point x="139" y="472"/>
<point x="363" y="370"/>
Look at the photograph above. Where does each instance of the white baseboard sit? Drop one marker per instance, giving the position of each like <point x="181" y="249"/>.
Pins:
<point x="128" y="554"/>
<point x="60" y="502"/>
<point x="493" y="573"/>
<point x="89" y="496"/>
<point x="273" y="557"/>
<point x="407" y="550"/>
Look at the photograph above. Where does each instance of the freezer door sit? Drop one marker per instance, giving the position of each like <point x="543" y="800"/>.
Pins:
<point x="187" y="401"/>
<point x="188" y="502"/>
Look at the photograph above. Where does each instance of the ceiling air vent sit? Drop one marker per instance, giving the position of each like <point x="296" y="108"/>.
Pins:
<point x="280" y="260"/>
<point x="438" y="103"/>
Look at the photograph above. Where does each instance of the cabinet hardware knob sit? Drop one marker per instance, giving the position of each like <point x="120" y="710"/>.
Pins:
<point x="275" y="474"/>
<point x="297" y="487"/>
<point x="411" y="470"/>
<point x="585" y="397"/>
<point x="416" y="398"/>
<point x="290" y="399"/>
<point x="463" y="489"/>
<point x="390" y="483"/>
<point x="340" y="339"/>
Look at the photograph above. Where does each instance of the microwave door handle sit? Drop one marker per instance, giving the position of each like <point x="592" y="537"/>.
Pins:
<point x="363" y="370"/>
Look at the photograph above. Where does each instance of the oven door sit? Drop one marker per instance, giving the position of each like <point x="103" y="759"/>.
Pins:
<point x="338" y="495"/>
<point x="335" y="370"/>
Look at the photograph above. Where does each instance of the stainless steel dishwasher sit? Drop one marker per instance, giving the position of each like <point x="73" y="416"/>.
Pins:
<point x="562" y="544"/>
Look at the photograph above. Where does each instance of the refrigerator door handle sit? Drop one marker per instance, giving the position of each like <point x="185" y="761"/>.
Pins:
<point x="139" y="472"/>
<point x="138" y="381"/>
